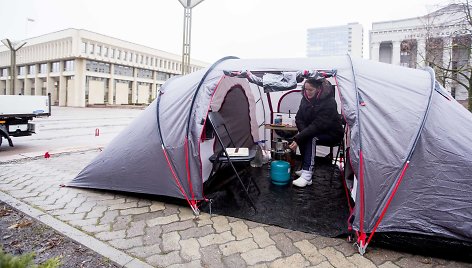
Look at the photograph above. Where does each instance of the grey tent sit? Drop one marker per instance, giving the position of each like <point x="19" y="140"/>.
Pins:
<point x="409" y="142"/>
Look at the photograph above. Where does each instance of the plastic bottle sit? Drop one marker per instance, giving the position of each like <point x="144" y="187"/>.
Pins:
<point x="257" y="161"/>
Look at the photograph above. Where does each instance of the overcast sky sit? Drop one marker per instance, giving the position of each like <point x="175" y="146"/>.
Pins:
<point x="244" y="28"/>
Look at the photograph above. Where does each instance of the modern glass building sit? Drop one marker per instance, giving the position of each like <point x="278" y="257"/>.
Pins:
<point x="335" y="40"/>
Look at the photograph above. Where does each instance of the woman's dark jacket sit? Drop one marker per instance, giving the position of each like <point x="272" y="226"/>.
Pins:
<point x="319" y="116"/>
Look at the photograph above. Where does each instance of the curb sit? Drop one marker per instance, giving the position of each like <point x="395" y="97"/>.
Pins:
<point x="92" y="243"/>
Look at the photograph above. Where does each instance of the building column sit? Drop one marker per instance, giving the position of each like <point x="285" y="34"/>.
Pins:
<point x="27" y="86"/>
<point x="62" y="90"/>
<point x="78" y="96"/>
<point x="421" y="52"/>
<point x="134" y="87"/>
<point x="111" y="84"/>
<point x="38" y="82"/>
<point x="396" y="52"/>
<point x="375" y="51"/>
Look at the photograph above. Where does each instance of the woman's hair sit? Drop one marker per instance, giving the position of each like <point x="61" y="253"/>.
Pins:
<point x="314" y="82"/>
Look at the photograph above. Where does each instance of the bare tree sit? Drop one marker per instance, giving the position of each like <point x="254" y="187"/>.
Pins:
<point x="447" y="34"/>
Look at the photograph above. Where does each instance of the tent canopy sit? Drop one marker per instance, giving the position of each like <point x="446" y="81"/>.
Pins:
<point x="410" y="141"/>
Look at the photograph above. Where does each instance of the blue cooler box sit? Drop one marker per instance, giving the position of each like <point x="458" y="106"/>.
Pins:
<point x="280" y="172"/>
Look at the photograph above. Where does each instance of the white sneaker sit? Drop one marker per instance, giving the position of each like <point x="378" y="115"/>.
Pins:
<point x="298" y="173"/>
<point x="304" y="180"/>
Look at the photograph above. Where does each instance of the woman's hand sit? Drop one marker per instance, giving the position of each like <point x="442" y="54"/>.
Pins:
<point x="293" y="146"/>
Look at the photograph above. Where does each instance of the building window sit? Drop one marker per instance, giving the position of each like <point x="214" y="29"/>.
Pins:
<point x="32" y="69"/>
<point x="55" y="67"/>
<point x="123" y="70"/>
<point x="4" y="72"/>
<point x="99" y="50"/>
<point x="135" y="57"/>
<point x="69" y="65"/>
<point x="141" y="59"/>
<point x="98" y="67"/>
<point x="105" y="52"/>
<point x="118" y="54"/>
<point x="112" y="53"/>
<point x="83" y="47"/>
<point x="91" y="48"/>
<point x="43" y="68"/>
<point x="130" y="56"/>
<point x="21" y="70"/>
<point x="143" y="73"/>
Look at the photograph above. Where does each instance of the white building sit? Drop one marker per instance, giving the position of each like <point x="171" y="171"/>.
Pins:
<point x="431" y="38"/>
<point x="335" y="40"/>
<point x="80" y="68"/>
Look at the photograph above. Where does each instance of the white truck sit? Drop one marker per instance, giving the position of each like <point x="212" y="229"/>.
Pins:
<point x="17" y="112"/>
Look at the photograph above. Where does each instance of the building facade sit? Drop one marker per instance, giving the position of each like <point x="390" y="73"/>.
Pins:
<point x="81" y="68"/>
<point x="441" y="37"/>
<point x="336" y="40"/>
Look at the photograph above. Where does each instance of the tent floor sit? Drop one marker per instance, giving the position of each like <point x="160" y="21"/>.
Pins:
<point x="320" y="208"/>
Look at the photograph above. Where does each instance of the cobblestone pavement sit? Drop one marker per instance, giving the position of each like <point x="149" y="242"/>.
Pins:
<point x="167" y="235"/>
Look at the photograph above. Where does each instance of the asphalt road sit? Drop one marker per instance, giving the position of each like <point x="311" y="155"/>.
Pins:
<point x="70" y="129"/>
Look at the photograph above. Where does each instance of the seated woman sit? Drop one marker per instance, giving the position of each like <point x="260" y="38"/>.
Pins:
<point x="317" y="119"/>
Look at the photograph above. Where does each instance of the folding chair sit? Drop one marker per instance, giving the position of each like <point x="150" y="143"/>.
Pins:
<point x="340" y="151"/>
<point x="239" y="164"/>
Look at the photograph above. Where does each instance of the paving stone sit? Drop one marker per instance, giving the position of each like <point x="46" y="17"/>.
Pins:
<point x="144" y="203"/>
<point x="388" y="264"/>
<point x="240" y="230"/>
<point x="165" y="260"/>
<point x="85" y="222"/>
<point x="152" y="235"/>
<point x="53" y="206"/>
<point x="136" y="229"/>
<point x="121" y="206"/>
<point x="299" y="236"/>
<point x="197" y="232"/>
<point x="379" y="256"/>
<point x="192" y="264"/>
<point x="238" y="246"/>
<point x="162" y="220"/>
<point x="113" y="201"/>
<point x="186" y="214"/>
<point x="111" y="235"/>
<point x="190" y="249"/>
<point x="261" y="237"/>
<point x="121" y="222"/>
<point x="145" y="251"/>
<point x="295" y="260"/>
<point x="335" y="257"/>
<point x="273" y="230"/>
<point x="134" y="211"/>
<point x="211" y="256"/>
<point x="148" y="216"/>
<point x="261" y="255"/>
<point x="220" y="224"/>
<point x="284" y="244"/>
<point x="203" y="219"/>
<point x="310" y="252"/>
<point x="85" y="207"/>
<point x="96" y="228"/>
<point x="178" y="226"/>
<point x="360" y="261"/>
<point x="324" y="264"/>
<point x="126" y="243"/>
<point x="347" y="249"/>
<point x="322" y="242"/>
<point x="415" y="262"/>
<point x="259" y="265"/>
<point x="170" y="210"/>
<point x="234" y="260"/>
<point x="109" y="217"/>
<point x="157" y="206"/>
<point x="216" y="239"/>
<point x="96" y="212"/>
<point x="170" y="242"/>
<point x="71" y="217"/>
<point x="253" y="224"/>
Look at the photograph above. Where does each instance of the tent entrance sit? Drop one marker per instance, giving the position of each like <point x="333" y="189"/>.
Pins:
<point x="321" y="208"/>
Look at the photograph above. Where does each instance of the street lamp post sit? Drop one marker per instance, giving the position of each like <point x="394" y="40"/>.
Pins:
<point x="14" y="47"/>
<point x="188" y="5"/>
